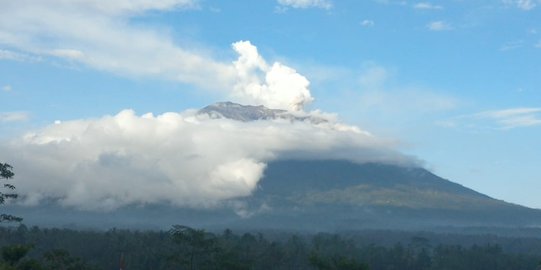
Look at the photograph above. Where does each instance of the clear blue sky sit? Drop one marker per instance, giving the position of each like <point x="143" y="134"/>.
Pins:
<point x="457" y="83"/>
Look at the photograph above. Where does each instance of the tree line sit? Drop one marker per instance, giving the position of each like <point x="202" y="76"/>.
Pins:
<point x="183" y="247"/>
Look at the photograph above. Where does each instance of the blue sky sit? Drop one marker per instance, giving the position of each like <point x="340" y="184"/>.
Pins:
<point x="456" y="83"/>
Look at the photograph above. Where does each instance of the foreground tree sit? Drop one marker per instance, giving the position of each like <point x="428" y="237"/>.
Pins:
<point x="13" y="258"/>
<point x="335" y="262"/>
<point x="195" y="247"/>
<point x="59" y="259"/>
<point x="7" y="191"/>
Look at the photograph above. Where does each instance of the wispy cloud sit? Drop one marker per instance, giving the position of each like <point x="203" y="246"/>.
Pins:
<point x="427" y="6"/>
<point x="521" y="4"/>
<point x="512" y="45"/>
<point x="504" y="119"/>
<point x="439" y="26"/>
<point x="408" y="100"/>
<point x="379" y="96"/>
<point x="368" y="23"/>
<point x="109" y="42"/>
<point x="392" y="2"/>
<point x="14" y="116"/>
<point x="374" y="77"/>
<point x="512" y="118"/>
<point x="70" y="54"/>
<point x="324" y="4"/>
<point x="7" y="88"/>
<point x="17" y="56"/>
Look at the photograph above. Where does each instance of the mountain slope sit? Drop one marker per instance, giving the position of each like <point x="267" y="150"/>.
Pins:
<point x="341" y="194"/>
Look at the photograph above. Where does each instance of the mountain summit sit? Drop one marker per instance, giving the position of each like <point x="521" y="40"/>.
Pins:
<point x="247" y="113"/>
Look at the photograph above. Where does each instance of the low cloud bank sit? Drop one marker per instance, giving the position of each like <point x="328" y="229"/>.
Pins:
<point x="183" y="159"/>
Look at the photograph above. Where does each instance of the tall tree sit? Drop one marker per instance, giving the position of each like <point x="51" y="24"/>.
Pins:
<point x="7" y="191"/>
<point x="196" y="247"/>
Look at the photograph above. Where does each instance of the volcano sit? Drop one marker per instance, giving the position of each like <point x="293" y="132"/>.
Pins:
<point x="315" y="194"/>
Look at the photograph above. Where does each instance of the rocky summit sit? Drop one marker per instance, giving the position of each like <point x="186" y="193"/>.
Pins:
<point x="246" y="113"/>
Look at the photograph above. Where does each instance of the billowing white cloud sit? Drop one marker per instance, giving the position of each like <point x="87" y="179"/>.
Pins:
<point x="99" y="34"/>
<point x="183" y="159"/>
<point x="439" y="26"/>
<point x="177" y="158"/>
<point x="428" y="6"/>
<point x="13" y="116"/>
<point x="275" y="86"/>
<point x="325" y="4"/>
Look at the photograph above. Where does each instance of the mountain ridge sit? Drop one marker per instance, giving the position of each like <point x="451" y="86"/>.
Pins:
<point x="247" y="113"/>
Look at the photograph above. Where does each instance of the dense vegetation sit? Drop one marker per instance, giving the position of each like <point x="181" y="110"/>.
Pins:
<point x="183" y="247"/>
<point x="187" y="248"/>
<point x="7" y="191"/>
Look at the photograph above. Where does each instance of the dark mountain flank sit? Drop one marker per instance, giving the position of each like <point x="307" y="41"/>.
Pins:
<point x="336" y="194"/>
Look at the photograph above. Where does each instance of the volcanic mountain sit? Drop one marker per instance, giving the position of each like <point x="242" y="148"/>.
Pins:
<point x="317" y="195"/>
<point x="339" y="194"/>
